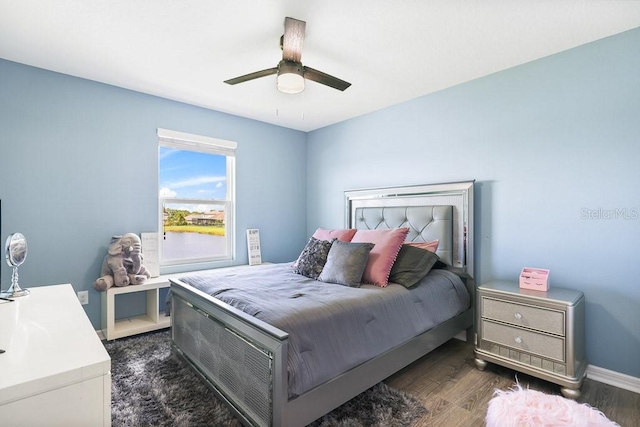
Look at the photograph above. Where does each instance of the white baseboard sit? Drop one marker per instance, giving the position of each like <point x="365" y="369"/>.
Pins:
<point x="462" y="336"/>
<point x="616" y="379"/>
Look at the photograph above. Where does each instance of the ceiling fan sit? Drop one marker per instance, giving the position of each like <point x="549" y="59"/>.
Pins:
<point x="290" y="72"/>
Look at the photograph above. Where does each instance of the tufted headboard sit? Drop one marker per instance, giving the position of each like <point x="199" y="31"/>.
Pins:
<point x="437" y="211"/>
<point x="425" y="223"/>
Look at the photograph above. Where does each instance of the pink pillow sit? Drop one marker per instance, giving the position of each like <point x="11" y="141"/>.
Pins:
<point x="342" y="235"/>
<point x="383" y="255"/>
<point x="429" y="246"/>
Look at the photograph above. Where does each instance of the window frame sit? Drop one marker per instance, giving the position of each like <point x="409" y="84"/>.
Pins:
<point x="207" y="145"/>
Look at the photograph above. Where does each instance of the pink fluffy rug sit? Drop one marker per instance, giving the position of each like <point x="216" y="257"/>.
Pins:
<point x="523" y="408"/>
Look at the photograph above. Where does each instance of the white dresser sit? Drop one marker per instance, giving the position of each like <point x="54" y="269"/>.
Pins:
<point x="538" y="333"/>
<point x="55" y="371"/>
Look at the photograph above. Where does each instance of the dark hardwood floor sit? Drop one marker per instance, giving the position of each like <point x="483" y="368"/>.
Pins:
<point x="456" y="394"/>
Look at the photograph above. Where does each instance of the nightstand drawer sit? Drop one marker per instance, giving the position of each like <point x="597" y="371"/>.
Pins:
<point x="522" y="315"/>
<point x="531" y="342"/>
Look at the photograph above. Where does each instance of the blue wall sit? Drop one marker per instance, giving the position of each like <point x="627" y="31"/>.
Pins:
<point x="78" y="164"/>
<point x="550" y="143"/>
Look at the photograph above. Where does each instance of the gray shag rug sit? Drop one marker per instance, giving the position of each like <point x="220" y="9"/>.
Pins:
<point x="153" y="387"/>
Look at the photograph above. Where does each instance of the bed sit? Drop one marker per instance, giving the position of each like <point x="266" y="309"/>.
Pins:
<point x="271" y="362"/>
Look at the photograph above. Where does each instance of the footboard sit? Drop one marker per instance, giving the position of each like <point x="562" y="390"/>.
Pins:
<point x="247" y="368"/>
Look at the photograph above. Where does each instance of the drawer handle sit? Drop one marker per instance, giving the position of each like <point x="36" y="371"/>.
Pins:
<point x="517" y="315"/>
<point x="518" y="340"/>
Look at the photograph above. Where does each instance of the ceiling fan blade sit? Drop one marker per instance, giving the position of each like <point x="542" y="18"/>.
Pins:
<point x="325" y="79"/>
<point x="293" y="39"/>
<point x="251" y="76"/>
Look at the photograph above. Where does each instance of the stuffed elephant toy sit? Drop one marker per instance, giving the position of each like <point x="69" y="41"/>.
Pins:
<point x="122" y="265"/>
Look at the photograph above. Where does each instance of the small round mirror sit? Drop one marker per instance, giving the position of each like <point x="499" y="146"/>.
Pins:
<point x="16" y="249"/>
<point x="16" y="253"/>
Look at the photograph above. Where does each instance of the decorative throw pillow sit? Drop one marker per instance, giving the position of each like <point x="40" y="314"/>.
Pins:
<point x="345" y="263"/>
<point x="384" y="253"/>
<point x="342" y="235"/>
<point x="411" y="265"/>
<point x="313" y="257"/>
<point x="430" y="246"/>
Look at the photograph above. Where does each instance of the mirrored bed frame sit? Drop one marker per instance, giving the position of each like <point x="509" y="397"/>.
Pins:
<point x="257" y="356"/>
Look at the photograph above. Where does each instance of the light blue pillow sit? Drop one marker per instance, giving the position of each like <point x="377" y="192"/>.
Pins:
<point x="345" y="263"/>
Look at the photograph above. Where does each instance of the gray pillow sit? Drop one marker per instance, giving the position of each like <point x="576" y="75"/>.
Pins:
<point x="411" y="265"/>
<point x="313" y="257"/>
<point x="345" y="263"/>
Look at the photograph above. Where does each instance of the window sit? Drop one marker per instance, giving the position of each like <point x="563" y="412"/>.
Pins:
<point x="196" y="198"/>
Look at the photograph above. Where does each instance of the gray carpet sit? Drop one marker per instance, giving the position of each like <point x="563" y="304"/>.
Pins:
<point x="153" y="387"/>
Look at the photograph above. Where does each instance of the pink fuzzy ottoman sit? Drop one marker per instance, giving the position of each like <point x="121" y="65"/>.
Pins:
<point x="520" y="407"/>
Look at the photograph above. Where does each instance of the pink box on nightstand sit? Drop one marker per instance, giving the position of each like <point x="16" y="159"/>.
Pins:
<point x="534" y="278"/>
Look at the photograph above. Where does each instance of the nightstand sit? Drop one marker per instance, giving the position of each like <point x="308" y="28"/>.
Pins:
<point x="538" y="333"/>
<point x="153" y="318"/>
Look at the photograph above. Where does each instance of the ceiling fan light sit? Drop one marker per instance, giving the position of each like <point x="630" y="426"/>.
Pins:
<point x="290" y="77"/>
<point x="290" y="83"/>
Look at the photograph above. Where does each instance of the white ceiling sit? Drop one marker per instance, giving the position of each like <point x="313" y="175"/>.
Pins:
<point x="391" y="51"/>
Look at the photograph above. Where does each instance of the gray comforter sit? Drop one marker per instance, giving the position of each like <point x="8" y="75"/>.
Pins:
<point x="333" y="328"/>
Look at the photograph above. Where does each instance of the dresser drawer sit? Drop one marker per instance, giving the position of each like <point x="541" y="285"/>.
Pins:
<point x="542" y="319"/>
<point x="531" y="342"/>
